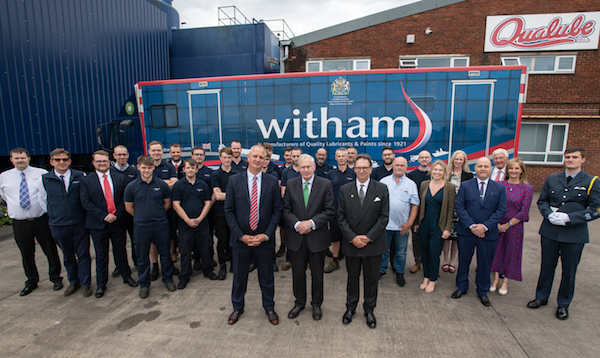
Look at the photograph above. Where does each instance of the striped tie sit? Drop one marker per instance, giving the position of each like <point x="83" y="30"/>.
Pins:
<point x="24" y="193"/>
<point x="254" y="205"/>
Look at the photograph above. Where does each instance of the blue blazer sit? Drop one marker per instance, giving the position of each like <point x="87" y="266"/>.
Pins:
<point x="237" y="209"/>
<point x="93" y="201"/>
<point x="471" y="210"/>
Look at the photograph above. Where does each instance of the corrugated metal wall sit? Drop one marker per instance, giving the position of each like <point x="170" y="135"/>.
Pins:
<point x="69" y="65"/>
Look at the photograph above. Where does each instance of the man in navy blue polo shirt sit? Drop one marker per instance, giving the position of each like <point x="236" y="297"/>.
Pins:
<point x="151" y="198"/>
<point x="322" y="166"/>
<point x="167" y="172"/>
<point x="288" y="173"/>
<point x="191" y="201"/>
<point x="219" y="180"/>
<point x="387" y="156"/>
<point x="272" y="166"/>
<point x="238" y="163"/>
<point x="204" y="173"/>
<point x="339" y="176"/>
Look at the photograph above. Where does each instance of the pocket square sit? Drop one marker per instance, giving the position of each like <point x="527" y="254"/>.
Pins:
<point x="377" y="199"/>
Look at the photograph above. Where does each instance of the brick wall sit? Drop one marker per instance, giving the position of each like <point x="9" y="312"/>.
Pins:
<point x="460" y="29"/>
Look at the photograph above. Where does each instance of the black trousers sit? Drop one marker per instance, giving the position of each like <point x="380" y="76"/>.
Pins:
<point x="25" y="233"/>
<point x="299" y="259"/>
<point x="370" y="267"/>
<point x="101" y="239"/>
<point x="570" y="255"/>
<point x="223" y="234"/>
<point x="194" y="238"/>
<point x="416" y="246"/>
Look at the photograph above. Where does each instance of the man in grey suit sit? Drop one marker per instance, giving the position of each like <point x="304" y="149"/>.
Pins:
<point x="307" y="208"/>
<point x="363" y="212"/>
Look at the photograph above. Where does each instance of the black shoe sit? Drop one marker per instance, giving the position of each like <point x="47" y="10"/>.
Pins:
<point x="71" y="290"/>
<point x="329" y="253"/>
<point x="382" y="274"/>
<point x="536" y="303"/>
<point x="86" y="291"/>
<point x="27" y="290"/>
<point x="371" y="321"/>
<point x="175" y="271"/>
<point x="144" y="292"/>
<point x="131" y="282"/>
<point x="275" y="268"/>
<point x="400" y="279"/>
<point x="347" y="318"/>
<point x="295" y="312"/>
<point x="281" y="251"/>
<point x="214" y="263"/>
<point x="197" y="265"/>
<point x="485" y="301"/>
<point x="317" y="313"/>
<point x="458" y="294"/>
<point x="115" y="273"/>
<point x="252" y="267"/>
<point x="171" y="286"/>
<point x="211" y="276"/>
<point x="562" y="313"/>
<point x="181" y="285"/>
<point x="100" y="292"/>
<point x="154" y="272"/>
<point x="58" y="285"/>
<point x="222" y="272"/>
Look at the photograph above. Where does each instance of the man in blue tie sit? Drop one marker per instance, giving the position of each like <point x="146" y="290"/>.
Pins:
<point x="480" y="205"/>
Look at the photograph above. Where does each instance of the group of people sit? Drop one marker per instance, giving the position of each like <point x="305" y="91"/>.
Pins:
<point x="172" y="207"/>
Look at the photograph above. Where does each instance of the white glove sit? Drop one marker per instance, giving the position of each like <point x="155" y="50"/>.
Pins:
<point x="558" y="218"/>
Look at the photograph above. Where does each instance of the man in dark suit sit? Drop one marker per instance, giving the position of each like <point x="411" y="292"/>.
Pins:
<point x="253" y="209"/>
<point x="307" y="208"/>
<point x="480" y="205"/>
<point x="363" y="212"/>
<point x="568" y="201"/>
<point x="102" y="197"/>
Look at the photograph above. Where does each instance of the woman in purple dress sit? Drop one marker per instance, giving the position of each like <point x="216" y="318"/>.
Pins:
<point x="509" y="252"/>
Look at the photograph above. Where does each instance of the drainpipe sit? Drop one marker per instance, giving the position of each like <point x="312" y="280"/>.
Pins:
<point x="284" y="53"/>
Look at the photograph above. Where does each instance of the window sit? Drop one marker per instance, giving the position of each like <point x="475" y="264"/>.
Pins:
<point x="164" y="116"/>
<point x="543" y="142"/>
<point x="434" y="61"/>
<point x="338" y="65"/>
<point x="543" y="64"/>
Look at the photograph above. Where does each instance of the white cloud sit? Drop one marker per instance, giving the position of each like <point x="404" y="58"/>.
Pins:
<point x="301" y="16"/>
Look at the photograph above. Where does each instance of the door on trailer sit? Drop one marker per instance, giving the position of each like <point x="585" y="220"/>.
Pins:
<point x="471" y="116"/>
<point x="205" y="120"/>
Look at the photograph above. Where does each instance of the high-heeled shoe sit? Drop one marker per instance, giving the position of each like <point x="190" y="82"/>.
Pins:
<point x="502" y="292"/>
<point x="493" y="288"/>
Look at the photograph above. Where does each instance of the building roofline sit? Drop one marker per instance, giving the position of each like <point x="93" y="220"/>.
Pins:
<point x="371" y="20"/>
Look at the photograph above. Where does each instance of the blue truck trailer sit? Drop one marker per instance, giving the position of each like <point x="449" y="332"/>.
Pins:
<point x="475" y="109"/>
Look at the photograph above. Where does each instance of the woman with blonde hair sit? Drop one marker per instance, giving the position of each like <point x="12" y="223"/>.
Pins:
<point x="435" y="217"/>
<point x="509" y="251"/>
<point x="458" y="171"/>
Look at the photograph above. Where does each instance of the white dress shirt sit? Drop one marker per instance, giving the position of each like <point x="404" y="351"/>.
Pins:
<point x="258" y="183"/>
<point x="495" y="173"/>
<point x="310" y="184"/>
<point x="110" y="182"/>
<point x="10" y="183"/>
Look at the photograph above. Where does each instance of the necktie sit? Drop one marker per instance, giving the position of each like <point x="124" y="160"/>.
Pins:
<point x="569" y="178"/>
<point x="254" y="205"/>
<point x="306" y="194"/>
<point x="62" y="178"/>
<point x="110" y="202"/>
<point x="176" y="166"/>
<point x="481" y="192"/>
<point x="361" y="194"/>
<point x="24" y="193"/>
<point x="498" y="176"/>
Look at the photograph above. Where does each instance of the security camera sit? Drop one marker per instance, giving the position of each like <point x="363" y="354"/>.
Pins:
<point x="428" y="31"/>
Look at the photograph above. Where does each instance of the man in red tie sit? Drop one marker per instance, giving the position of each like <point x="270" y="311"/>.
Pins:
<point x="102" y="198"/>
<point x="500" y="157"/>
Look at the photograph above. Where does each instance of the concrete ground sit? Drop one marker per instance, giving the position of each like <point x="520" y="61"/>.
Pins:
<point x="193" y="322"/>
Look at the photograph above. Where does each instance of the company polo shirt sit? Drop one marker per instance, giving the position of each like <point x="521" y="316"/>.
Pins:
<point x="240" y="167"/>
<point x="165" y="171"/>
<point x="272" y="172"/>
<point x="219" y="179"/>
<point x="338" y="179"/>
<point x="381" y="172"/>
<point x="192" y="198"/>
<point x="130" y="172"/>
<point x="205" y="174"/>
<point x="147" y="199"/>
<point x="402" y="195"/>
<point x="322" y="170"/>
<point x="287" y="174"/>
<point x="276" y="168"/>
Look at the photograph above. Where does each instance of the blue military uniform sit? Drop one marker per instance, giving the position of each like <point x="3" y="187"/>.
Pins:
<point x="580" y="199"/>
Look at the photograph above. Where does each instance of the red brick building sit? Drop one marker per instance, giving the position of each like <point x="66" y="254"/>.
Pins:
<point x="562" y="106"/>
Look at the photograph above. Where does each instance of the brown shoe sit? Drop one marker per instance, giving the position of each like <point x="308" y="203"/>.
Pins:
<point x="286" y="266"/>
<point x="86" y="290"/>
<point x="415" y="268"/>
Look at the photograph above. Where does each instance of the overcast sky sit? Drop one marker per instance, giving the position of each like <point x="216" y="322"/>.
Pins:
<point x="301" y="16"/>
